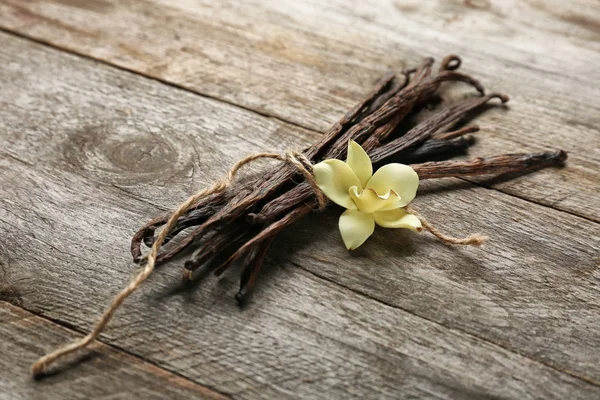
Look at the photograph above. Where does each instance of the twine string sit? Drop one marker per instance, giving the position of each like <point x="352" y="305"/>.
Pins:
<point x="297" y="159"/>
<point x="475" y="239"/>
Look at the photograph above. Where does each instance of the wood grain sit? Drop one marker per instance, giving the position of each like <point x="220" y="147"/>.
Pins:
<point x="308" y="62"/>
<point x="452" y="327"/>
<point x="106" y="373"/>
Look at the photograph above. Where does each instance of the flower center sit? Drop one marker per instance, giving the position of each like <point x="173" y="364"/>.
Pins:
<point x="368" y="201"/>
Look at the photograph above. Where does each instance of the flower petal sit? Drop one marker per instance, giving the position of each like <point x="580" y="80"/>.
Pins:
<point x="335" y="178"/>
<point x="400" y="178"/>
<point x="368" y="201"/>
<point x="360" y="162"/>
<point x="355" y="227"/>
<point x="398" y="218"/>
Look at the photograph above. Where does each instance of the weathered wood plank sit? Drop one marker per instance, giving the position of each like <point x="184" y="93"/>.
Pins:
<point x="309" y="61"/>
<point x="106" y="374"/>
<point x="73" y="195"/>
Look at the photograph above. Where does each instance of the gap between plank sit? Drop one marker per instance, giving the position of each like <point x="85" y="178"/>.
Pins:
<point x="262" y="114"/>
<point x="583" y="378"/>
<point x="202" y="389"/>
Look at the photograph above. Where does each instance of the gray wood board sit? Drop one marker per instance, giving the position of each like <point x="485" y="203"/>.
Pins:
<point x="75" y="188"/>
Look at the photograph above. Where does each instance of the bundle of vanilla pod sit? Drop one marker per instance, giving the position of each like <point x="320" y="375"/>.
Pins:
<point x="241" y="223"/>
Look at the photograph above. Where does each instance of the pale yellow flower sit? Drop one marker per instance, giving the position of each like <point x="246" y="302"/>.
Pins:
<point x="369" y="198"/>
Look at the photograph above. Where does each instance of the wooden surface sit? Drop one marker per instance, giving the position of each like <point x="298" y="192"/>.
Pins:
<point x="91" y="150"/>
<point x="105" y="373"/>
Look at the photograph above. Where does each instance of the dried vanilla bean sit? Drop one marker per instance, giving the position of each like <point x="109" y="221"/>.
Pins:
<point x="244" y="221"/>
<point x="252" y="268"/>
<point x="498" y="165"/>
<point x="456" y="133"/>
<point x="435" y="149"/>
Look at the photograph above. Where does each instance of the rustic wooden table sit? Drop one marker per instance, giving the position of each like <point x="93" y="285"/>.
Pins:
<point x="113" y="111"/>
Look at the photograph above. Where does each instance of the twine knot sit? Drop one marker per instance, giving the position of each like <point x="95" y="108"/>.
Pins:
<point x="304" y="166"/>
